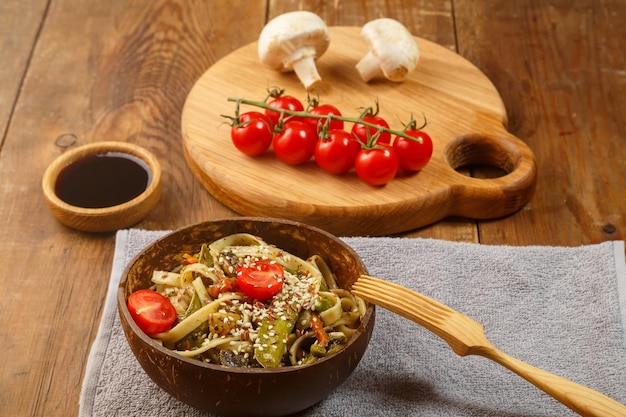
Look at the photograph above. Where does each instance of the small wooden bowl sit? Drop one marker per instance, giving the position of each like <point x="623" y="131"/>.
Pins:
<point x="104" y="219"/>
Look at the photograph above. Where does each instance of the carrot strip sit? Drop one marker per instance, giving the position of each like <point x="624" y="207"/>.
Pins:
<point x="188" y="259"/>
<point x="317" y="325"/>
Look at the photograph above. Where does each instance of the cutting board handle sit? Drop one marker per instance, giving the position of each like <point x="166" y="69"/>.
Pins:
<point x="488" y="198"/>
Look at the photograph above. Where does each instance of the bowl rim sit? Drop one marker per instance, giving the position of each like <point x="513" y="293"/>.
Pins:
<point x="54" y="169"/>
<point x="123" y="309"/>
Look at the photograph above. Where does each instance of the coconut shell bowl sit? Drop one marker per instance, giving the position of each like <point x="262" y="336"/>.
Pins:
<point x="244" y="391"/>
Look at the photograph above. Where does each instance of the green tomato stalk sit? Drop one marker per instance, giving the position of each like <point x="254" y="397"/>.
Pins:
<point x="306" y="114"/>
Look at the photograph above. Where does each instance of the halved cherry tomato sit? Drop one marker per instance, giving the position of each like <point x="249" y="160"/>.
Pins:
<point x="253" y="134"/>
<point x="324" y="110"/>
<point x="377" y="166"/>
<point x="413" y="155"/>
<point x="295" y="144"/>
<point x="152" y="311"/>
<point x="361" y="131"/>
<point x="283" y="103"/>
<point x="337" y="153"/>
<point x="261" y="279"/>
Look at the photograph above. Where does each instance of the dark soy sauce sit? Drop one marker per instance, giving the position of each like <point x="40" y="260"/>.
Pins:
<point x="103" y="180"/>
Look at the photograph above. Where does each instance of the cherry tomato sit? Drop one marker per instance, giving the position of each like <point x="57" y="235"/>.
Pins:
<point x="360" y="130"/>
<point x="324" y="110"/>
<point x="295" y="144"/>
<point x="413" y="155"/>
<point x="254" y="134"/>
<point x="337" y="153"/>
<point x="377" y="166"/>
<point x="283" y="103"/>
<point x="261" y="279"/>
<point x="152" y="311"/>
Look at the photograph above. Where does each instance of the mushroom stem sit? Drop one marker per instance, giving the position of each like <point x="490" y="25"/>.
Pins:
<point x="306" y="71"/>
<point x="369" y="67"/>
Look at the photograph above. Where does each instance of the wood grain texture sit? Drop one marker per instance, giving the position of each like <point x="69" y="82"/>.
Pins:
<point x="559" y="67"/>
<point x="100" y="71"/>
<point x="465" y="119"/>
<point x="80" y="71"/>
<point x="431" y="20"/>
<point x="19" y="27"/>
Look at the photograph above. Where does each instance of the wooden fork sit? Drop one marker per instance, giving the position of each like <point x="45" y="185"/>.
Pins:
<point x="466" y="337"/>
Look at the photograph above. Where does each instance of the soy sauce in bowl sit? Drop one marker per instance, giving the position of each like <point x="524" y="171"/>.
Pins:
<point x="103" y="180"/>
<point x="102" y="186"/>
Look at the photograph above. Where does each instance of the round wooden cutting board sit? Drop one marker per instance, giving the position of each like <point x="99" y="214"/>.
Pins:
<point x="466" y="120"/>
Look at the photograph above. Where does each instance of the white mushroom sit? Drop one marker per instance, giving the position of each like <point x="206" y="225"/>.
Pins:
<point x="393" y="51"/>
<point x="292" y="41"/>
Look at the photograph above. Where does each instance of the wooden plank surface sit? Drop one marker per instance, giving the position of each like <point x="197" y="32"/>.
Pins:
<point x="559" y="67"/>
<point x="101" y="71"/>
<point x="118" y="69"/>
<point x="20" y="23"/>
<point x="465" y="119"/>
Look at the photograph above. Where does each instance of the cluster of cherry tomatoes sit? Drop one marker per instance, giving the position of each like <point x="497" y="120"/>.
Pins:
<point x="370" y="147"/>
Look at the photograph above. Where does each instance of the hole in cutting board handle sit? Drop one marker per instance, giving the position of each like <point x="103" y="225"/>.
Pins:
<point x="482" y="156"/>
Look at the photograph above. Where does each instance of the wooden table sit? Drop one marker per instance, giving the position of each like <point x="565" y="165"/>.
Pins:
<point x="79" y="71"/>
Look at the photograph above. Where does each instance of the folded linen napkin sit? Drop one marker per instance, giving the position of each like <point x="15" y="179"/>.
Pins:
<point x="558" y="308"/>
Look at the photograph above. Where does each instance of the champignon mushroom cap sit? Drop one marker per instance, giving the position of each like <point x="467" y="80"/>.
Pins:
<point x="392" y="50"/>
<point x="292" y="41"/>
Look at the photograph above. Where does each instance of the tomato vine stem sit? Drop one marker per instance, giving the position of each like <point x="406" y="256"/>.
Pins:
<point x="306" y="113"/>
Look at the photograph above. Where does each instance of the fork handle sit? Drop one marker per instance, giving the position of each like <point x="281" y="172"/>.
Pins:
<point x="579" y="398"/>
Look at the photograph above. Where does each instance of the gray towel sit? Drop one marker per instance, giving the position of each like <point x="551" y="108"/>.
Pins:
<point x="558" y="308"/>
